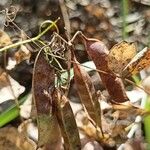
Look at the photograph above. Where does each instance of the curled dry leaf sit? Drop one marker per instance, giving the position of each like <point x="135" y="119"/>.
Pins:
<point x="138" y="63"/>
<point x="87" y="93"/>
<point x="123" y="59"/>
<point x="43" y="86"/>
<point x="120" y="55"/>
<point x="99" y="54"/>
<point x="66" y="120"/>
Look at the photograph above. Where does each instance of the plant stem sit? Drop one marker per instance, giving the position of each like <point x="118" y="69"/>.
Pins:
<point x="147" y="122"/>
<point x="124" y="18"/>
<point x="30" y="40"/>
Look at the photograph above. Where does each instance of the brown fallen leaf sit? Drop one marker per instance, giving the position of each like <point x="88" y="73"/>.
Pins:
<point x="87" y="93"/>
<point x="120" y="55"/>
<point x="123" y="60"/>
<point x="4" y="39"/>
<point x="43" y="86"/>
<point x="11" y="139"/>
<point x="66" y="120"/>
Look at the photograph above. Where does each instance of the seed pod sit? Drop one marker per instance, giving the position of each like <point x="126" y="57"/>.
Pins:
<point x="87" y="93"/>
<point x="43" y="86"/>
<point x="98" y="52"/>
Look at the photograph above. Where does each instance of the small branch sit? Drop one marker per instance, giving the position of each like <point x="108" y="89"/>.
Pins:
<point x="65" y="17"/>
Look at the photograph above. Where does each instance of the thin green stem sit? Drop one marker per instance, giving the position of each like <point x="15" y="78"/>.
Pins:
<point x="124" y="18"/>
<point x="147" y="122"/>
<point x="30" y="40"/>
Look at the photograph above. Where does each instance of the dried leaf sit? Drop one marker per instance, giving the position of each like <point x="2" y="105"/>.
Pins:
<point x="87" y="93"/>
<point x="139" y="62"/>
<point x="67" y="122"/>
<point x="99" y="54"/>
<point x="126" y="110"/>
<point x="120" y="55"/>
<point x="11" y="139"/>
<point x="43" y="86"/>
<point x="22" y="54"/>
<point x="4" y="39"/>
<point x="122" y="59"/>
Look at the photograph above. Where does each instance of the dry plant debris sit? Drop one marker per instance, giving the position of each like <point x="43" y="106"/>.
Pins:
<point x="58" y="127"/>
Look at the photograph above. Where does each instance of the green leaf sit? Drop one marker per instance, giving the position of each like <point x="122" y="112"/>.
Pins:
<point x="11" y="113"/>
